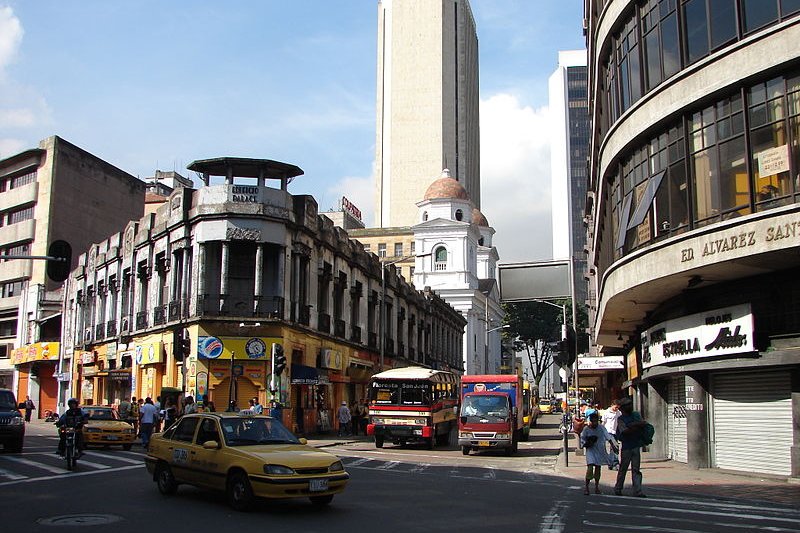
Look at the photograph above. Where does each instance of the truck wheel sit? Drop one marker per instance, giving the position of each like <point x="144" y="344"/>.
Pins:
<point x="378" y="441"/>
<point x="431" y="443"/>
<point x="465" y="450"/>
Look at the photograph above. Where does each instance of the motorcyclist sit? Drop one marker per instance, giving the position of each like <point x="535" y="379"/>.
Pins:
<point x="73" y="417"/>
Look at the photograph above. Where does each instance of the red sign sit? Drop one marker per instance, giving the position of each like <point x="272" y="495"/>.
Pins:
<point x="350" y="208"/>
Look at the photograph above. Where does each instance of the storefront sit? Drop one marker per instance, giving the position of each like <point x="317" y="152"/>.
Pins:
<point x="37" y="368"/>
<point x="719" y="401"/>
<point x="149" y="366"/>
<point x="604" y="375"/>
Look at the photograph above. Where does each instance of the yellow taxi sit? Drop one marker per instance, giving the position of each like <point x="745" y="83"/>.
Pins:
<point x="545" y="408"/>
<point x="105" y="428"/>
<point x="245" y="455"/>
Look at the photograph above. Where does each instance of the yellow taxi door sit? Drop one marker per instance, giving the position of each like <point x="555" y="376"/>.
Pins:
<point x="182" y="450"/>
<point x="209" y="465"/>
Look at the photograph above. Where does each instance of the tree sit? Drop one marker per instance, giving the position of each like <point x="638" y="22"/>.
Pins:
<point x="535" y="324"/>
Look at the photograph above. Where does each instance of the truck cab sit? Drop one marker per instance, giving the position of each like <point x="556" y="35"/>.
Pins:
<point x="490" y="415"/>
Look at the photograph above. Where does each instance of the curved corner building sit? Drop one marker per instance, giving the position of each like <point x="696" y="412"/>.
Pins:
<point x="694" y="221"/>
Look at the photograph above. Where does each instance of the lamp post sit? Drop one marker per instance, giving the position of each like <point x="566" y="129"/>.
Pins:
<point x="382" y="310"/>
<point x="486" y="344"/>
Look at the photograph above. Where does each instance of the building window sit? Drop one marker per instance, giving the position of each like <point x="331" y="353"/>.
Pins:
<point x="11" y="289"/>
<point x="769" y="145"/>
<point x="382" y="249"/>
<point x="398" y="249"/>
<point x="14" y="217"/>
<point x="459" y="215"/>
<point x="425" y="216"/>
<point x="413" y="247"/>
<point x="440" y="258"/>
<point x="758" y="13"/>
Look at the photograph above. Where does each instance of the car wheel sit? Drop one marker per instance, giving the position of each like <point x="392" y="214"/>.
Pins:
<point x="465" y="450"/>
<point x="321" y="500"/>
<point x="165" y="480"/>
<point x="126" y="447"/>
<point x="240" y="493"/>
<point x="378" y="442"/>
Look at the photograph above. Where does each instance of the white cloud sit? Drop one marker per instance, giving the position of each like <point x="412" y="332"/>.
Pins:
<point x="10" y="37"/>
<point x="16" y="118"/>
<point x="360" y="192"/>
<point x="9" y="147"/>
<point x="515" y="177"/>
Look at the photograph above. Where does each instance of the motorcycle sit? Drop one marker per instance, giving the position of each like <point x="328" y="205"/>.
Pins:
<point x="71" y="452"/>
<point x="50" y="416"/>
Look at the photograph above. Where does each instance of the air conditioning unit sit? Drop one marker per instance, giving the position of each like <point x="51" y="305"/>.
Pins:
<point x="87" y="335"/>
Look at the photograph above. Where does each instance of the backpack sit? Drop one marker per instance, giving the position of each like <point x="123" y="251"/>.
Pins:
<point x="648" y="431"/>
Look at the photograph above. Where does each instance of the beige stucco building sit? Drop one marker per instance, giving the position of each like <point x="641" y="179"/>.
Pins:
<point x="428" y="104"/>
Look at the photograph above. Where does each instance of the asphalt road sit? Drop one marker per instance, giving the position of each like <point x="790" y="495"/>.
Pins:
<point x="392" y="489"/>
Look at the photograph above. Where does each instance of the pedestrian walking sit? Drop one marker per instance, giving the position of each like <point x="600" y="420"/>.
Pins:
<point x="356" y="416"/>
<point x="630" y="431"/>
<point x="610" y="418"/>
<point x="593" y="439"/>
<point x="344" y="417"/>
<point x="189" y="406"/>
<point x="208" y="406"/>
<point x="170" y="414"/>
<point x="364" y="415"/>
<point x="29" y="408"/>
<point x="149" y="415"/>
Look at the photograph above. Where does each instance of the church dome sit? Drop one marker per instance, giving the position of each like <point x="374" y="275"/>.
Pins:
<point x="478" y="218"/>
<point x="446" y="187"/>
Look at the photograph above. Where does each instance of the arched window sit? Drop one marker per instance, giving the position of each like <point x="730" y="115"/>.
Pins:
<point x="480" y="241"/>
<point x="459" y="215"/>
<point x="440" y="258"/>
<point x="425" y="216"/>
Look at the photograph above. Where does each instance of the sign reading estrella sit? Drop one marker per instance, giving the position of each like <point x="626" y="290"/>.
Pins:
<point x="255" y="348"/>
<point x="726" y="331"/>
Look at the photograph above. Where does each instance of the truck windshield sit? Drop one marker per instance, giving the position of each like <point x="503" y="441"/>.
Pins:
<point x="400" y="393"/>
<point x="491" y="407"/>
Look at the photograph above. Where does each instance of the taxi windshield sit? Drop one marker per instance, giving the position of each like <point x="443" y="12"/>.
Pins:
<point x="100" y="414"/>
<point x="7" y="400"/>
<point x="247" y="431"/>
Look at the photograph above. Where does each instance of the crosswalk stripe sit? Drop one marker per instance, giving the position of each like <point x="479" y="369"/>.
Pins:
<point x="388" y="465"/>
<point x="359" y="462"/>
<point x="68" y="475"/>
<point x="420" y="468"/>
<point x="10" y="475"/>
<point x="727" y="514"/>
<point x="653" y="518"/>
<point x="115" y="458"/>
<point x="81" y="459"/>
<point x="28" y="462"/>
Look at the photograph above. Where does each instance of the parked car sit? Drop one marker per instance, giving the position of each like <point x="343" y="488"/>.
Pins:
<point x="545" y="408"/>
<point x="245" y="455"/>
<point x="12" y="423"/>
<point x="105" y="428"/>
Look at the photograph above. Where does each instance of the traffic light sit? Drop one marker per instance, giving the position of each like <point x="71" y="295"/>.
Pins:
<point x="181" y="344"/>
<point x="278" y="359"/>
<point x="564" y="350"/>
<point x="59" y="260"/>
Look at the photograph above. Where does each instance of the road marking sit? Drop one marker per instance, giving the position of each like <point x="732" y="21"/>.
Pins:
<point x="69" y="474"/>
<point x="654" y="518"/>
<point x="420" y="468"/>
<point x="387" y="465"/>
<point x="553" y="521"/>
<point x="53" y="469"/>
<point x="11" y="475"/>
<point x="116" y="458"/>
<point x="728" y="511"/>
<point x="359" y="462"/>
<point x="83" y="461"/>
<point x="489" y="474"/>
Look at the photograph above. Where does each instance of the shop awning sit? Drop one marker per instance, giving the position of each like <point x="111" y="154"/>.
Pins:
<point x="304" y="375"/>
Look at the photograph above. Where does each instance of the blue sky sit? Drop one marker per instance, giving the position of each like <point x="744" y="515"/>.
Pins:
<point x="156" y="84"/>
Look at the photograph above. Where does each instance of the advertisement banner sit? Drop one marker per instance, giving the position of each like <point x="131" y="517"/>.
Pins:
<point x="38" y="351"/>
<point x="726" y="331"/>
<point x="613" y="362"/>
<point x="245" y="348"/>
<point x="149" y="353"/>
<point x="331" y="359"/>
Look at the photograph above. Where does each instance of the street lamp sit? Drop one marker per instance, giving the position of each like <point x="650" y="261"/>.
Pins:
<point x="382" y="310"/>
<point x="486" y="343"/>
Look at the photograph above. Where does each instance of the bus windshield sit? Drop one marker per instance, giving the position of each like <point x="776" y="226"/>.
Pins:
<point x="400" y="393"/>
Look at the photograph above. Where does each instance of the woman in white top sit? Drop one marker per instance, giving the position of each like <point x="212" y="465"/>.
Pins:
<point x="593" y="440"/>
<point x="610" y="418"/>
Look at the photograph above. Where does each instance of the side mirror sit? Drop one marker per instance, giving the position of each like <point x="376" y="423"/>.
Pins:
<point x="303" y="440"/>
<point x="211" y="445"/>
<point x="463" y="419"/>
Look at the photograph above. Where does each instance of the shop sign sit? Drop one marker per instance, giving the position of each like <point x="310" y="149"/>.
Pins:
<point x="119" y="375"/>
<point x="111" y="351"/>
<point x="38" y="351"/>
<point x="331" y="359"/>
<point x="149" y="353"/>
<point x="87" y="389"/>
<point x="89" y="371"/>
<point x="727" y="331"/>
<point x="253" y="348"/>
<point x="87" y="358"/>
<point x="613" y="362"/>
<point x="62" y="376"/>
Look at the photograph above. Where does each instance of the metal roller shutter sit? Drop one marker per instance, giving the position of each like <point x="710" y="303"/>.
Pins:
<point x="752" y="422"/>
<point x="245" y="390"/>
<point x="676" y="420"/>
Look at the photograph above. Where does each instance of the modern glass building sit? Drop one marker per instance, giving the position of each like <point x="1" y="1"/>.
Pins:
<point x="694" y="182"/>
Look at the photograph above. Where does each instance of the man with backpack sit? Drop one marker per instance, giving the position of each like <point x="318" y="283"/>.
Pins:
<point x="632" y="432"/>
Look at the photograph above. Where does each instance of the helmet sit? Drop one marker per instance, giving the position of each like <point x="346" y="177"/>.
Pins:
<point x="72" y="402"/>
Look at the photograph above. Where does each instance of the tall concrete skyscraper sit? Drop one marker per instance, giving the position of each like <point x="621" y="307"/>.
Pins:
<point x="427" y="113"/>
<point x="569" y="149"/>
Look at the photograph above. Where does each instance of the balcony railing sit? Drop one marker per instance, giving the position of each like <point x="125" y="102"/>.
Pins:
<point x="355" y="334"/>
<point x="305" y="315"/>
<point x="269" y="306"/>
<point x="111" y="328"/>
<point x="324" y="324"/>
<point x="100" y="331"/>
<point x="388" y="345"/>
<point x="174" y="310"/>
<point x="210" y="304"/>
<point x="141" y="320"/>
<point x="159" y="315"/>
<point x="339" y="328"/>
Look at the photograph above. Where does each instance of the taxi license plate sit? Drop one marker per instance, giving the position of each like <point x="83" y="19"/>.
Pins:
<point x="111" y="437"/>
<point x="483" y="443"/>
<point x="318" y="485"/>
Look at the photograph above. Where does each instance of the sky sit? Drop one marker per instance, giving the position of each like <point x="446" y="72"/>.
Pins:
<point x="157" y="84"/>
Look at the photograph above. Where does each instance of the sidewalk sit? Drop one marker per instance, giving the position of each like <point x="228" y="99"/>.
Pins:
<point x="668" y="475"/>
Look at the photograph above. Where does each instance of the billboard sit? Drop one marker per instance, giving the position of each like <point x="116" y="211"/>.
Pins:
<point x="524" y="282"/>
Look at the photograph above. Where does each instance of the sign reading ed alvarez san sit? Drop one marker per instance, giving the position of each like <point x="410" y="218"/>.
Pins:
<point x="726" y="331"/>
